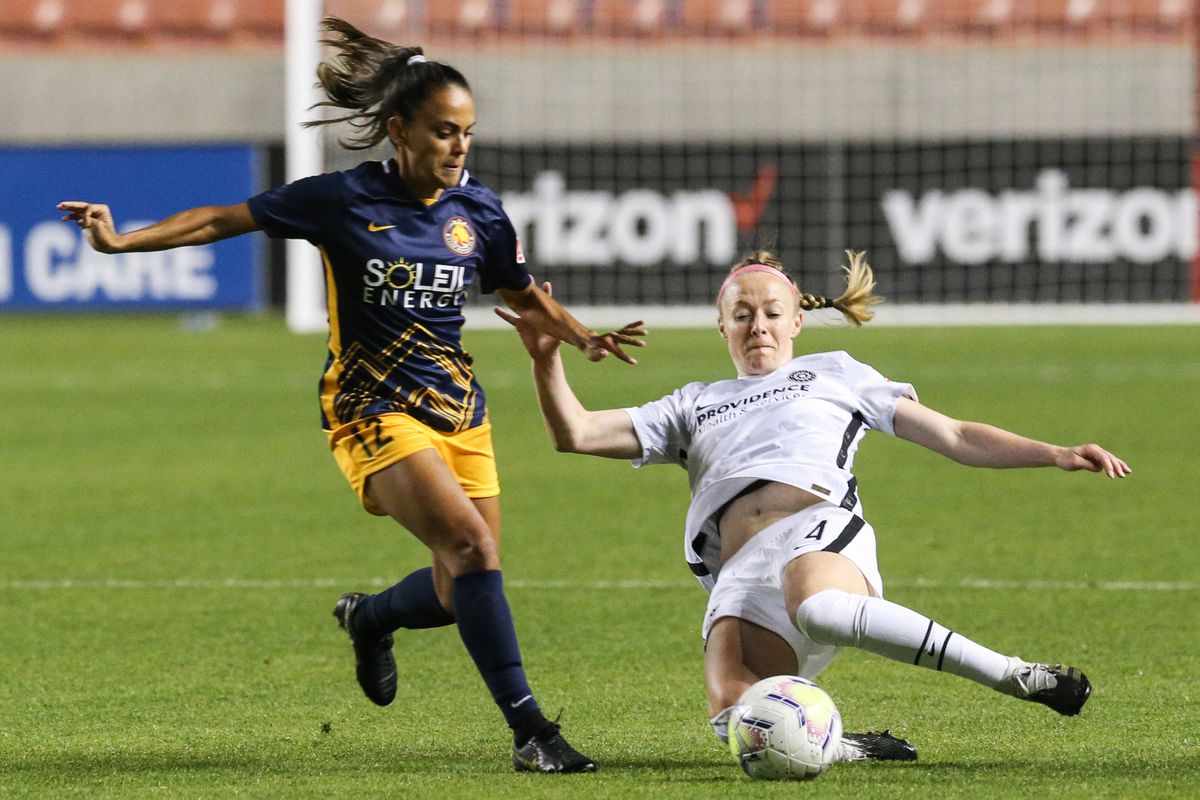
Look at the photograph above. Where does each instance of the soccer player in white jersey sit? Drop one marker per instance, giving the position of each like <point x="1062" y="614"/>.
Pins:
<point x="775" y="530"/>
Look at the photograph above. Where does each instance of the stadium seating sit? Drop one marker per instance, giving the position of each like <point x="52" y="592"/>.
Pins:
<point x="132" y="22"/>
<point x="198" y="18"/>
<point x="67" y="21"/>
<point x="847" y="17"/>
<point x="105" y="18"/>
<point x="625" y="17"/>
<point x="723" y="17"/>
<point x="259" y="17"/>
<point x="803" y="17"/>
<point x="542" y="17"/>
<point x="393" y="20"/>
<point x="29" y="19"/>
<point x="457" y="18"/>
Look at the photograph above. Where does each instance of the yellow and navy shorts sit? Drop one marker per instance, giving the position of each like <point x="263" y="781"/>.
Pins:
<point x="367" y="445"/>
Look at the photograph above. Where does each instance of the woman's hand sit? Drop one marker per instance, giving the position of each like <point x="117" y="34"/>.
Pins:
<point x="1093" y="458"/>
<point x="540" y="346"/>
<point x="596" y="347"/>
<point x="542" y="316"/>
<point x="97" y="223"/>
<point x="599" y="345"/>
<point x="195" y="226"/>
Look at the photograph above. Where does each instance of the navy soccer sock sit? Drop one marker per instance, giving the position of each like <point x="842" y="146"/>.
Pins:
<point x="411" y="603"/>
<point x="486" y="627"/>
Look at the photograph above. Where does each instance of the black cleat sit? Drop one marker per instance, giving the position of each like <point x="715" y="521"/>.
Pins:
<point x="873" y="746"/>
<point x="375" y="666"/>
<point x="550" y="752"/>
<point x="1062" y="688"/>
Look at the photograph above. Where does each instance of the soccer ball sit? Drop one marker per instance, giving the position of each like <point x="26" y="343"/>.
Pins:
<point x="784" y="728"/>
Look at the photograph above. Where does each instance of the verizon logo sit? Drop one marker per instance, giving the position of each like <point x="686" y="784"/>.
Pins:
<point x="1051" y="222"/>
<point x="639" y="226"/>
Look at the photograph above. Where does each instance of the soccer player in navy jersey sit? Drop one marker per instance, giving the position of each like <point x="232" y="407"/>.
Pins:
<point x="402" y="241"/>
<point x="775" y="531"/>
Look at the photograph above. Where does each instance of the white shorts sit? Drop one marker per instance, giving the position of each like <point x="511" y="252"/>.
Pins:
<point x="750" y="585"/>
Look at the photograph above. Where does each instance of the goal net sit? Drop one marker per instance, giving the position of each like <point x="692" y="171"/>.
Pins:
<point x="998" y="152"/>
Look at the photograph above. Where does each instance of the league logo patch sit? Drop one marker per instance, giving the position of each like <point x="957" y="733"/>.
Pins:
<point x="459" y="236"/>
<point x="801" y="376"/>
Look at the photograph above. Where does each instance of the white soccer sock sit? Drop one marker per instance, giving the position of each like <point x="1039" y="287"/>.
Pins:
<point x="882" y="627"/>
<point x="720" y="725"/>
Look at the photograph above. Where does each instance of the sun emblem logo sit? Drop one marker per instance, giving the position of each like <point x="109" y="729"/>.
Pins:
<point x="458" y="236"/>
<point x="801" y="376"/>
<point x="400" y="274"/>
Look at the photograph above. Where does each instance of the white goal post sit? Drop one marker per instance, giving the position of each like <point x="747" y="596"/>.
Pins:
<point x="306" y="311"/>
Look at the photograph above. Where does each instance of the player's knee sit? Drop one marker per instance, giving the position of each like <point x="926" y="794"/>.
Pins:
<point x="470" y="549"/>
<point x="828" y="617"/>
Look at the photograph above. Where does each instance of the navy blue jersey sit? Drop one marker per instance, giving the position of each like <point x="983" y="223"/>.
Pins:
<point x="396" y="274"/>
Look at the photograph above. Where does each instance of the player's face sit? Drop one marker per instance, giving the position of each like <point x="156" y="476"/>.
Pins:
<point x="432" y="147"/>
<point x="759" y="318"/>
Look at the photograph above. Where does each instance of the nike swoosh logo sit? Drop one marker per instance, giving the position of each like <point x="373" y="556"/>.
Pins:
<point x="372" y="227"/>
<point x="521" y="702"/>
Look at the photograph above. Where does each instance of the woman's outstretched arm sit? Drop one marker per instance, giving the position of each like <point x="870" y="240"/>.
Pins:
<point x="980" y="445"/>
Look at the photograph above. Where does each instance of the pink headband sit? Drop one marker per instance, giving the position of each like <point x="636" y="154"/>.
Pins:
<point x="756" y="268"/>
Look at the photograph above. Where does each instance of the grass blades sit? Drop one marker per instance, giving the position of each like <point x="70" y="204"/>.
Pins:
<point x="175" y="535"/>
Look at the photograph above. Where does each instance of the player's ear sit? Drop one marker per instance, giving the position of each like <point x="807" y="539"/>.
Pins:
<point x="395" y="129"/>
<point x="798" y="323"/>
<point x="721" y="328"/>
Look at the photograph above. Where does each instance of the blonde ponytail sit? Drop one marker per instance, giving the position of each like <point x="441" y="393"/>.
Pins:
<point x="855" y="303"/>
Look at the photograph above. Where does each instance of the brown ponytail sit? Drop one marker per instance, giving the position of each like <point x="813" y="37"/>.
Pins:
<point x="374" y="81"/>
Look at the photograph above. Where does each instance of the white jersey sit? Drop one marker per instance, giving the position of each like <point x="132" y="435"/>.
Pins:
<point x="799" y="425"/>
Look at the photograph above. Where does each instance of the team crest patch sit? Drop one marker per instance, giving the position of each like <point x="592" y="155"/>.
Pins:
<point x="801" y="376"/>
<point x="459" y="236"/>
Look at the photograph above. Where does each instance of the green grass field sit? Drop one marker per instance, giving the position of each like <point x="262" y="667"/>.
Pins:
<point x="175" y="535"/>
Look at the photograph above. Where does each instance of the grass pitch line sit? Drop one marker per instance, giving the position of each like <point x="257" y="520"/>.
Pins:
<point x="1058" y="586"/>
<point x="620" y="585"/>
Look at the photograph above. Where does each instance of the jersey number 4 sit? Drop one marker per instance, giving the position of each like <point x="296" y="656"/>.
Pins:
<point x="817" y="532"/>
